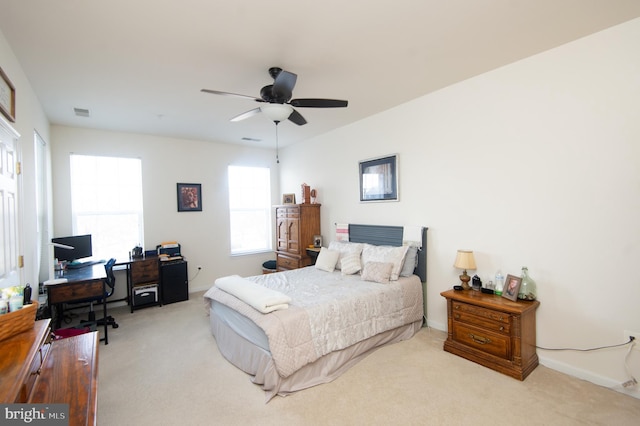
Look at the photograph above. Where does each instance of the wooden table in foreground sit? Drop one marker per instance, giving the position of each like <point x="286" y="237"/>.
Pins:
<point x="492" y="331"/>
<point x="34" y="369"/>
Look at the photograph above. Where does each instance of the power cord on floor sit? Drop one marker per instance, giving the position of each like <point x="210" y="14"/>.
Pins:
<point x="631" y="341"/>
<point x="632" y="381"/>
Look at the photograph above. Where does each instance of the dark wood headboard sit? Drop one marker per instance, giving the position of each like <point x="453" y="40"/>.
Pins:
<point x="382" y="235"/>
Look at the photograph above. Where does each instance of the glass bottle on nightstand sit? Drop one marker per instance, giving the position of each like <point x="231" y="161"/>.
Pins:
<point x="528" y="289"/>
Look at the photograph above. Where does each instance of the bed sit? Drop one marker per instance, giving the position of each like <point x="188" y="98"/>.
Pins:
<point x="295" y="329"/>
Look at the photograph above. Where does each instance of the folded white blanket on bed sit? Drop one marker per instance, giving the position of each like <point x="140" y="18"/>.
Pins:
<point x="261" y="298"/>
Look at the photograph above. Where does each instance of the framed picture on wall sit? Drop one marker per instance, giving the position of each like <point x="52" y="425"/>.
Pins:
<point x="7" y="97"/>
<point x="379" y="179"/>
<point x="189" y="197"/>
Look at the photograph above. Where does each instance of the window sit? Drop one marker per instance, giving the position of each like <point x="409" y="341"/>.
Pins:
<point x="106" y="202"/>
<point x="249" y="209"/>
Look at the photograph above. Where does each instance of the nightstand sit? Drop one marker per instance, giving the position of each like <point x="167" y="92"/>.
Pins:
<point x="313" y="253"/>
<point x="492" y="331"/>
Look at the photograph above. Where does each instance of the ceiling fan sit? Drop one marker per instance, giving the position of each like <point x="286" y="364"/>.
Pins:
<point x="277" y="102"/>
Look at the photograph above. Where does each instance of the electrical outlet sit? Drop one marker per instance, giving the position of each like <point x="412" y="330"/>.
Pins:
<point x="636" y="335"/>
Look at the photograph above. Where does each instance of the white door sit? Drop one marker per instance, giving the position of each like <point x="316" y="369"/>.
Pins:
<point x="10" y="269"/>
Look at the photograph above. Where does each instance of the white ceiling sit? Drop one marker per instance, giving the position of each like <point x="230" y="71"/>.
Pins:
<point x="138" y="65"/>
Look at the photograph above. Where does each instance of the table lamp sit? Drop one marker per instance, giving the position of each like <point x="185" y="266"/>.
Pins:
<point x="464" y="261"/>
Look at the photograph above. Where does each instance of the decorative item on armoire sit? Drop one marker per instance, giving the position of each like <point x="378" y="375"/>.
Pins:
<point x="314" y="196"/>
<point x="306" y="193"/>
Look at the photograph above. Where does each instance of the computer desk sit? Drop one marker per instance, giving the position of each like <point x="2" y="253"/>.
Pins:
<point x="81" y="284"/>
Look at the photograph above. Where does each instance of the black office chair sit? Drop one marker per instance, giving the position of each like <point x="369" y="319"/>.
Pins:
<point x="110" y="287"/>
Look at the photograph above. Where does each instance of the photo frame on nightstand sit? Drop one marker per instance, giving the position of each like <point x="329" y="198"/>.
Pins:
<point x="511" y="287"/>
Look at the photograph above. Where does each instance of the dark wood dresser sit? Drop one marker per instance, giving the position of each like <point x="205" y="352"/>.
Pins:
<point x="296" y="225"/>
<point x="36" y="369"/>
<point x="492" y="331"/>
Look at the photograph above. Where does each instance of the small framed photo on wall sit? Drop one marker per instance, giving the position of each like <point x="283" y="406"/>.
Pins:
<point x="189" y="197"/>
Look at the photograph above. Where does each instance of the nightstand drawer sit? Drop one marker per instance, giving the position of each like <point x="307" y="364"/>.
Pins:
<point x="483" y="322"/>
<point x="480" y="312"/>
<point x="486" y="341"/>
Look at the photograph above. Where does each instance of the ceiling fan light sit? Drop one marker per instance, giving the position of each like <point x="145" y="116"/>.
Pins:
<point x="276" y="112"/>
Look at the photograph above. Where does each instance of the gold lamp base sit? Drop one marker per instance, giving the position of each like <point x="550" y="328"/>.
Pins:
<point x="464" y="280"/>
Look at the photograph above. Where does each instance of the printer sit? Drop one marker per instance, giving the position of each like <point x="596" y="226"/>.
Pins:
<point x="169" y="250"/>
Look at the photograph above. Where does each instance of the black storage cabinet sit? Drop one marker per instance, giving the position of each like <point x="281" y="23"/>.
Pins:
<point x="174" y="281"/>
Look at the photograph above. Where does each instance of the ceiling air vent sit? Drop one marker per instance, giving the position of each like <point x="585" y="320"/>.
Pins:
<point x="81" y="112"/>
<point x="251" y="139"/>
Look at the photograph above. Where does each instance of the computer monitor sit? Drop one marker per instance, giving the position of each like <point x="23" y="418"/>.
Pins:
<point x="81" y="247"/>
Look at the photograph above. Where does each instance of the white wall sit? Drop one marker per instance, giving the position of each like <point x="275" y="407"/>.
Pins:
<point x="29" y="118"/>
<point x="535" y="164"/>
<point x="204" y="236"/>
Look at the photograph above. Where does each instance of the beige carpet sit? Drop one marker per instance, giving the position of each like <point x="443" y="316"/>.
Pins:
<point x="162" y="367"/>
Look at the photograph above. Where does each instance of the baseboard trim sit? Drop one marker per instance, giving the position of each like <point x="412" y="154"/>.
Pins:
<point x="437" y="325"/>
<point x="589" y="376"/>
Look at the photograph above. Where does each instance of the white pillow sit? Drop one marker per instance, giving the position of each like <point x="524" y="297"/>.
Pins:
<point x="345" y="248"/>
<point x="386" y="254"/>
<point x="351" y="264"/>
<point x="410" y="262"/>
<point x="377" y="271"/>
<point x="327" y="259"/>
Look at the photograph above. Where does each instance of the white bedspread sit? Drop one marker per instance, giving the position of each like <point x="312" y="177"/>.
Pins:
<point x="327" y="312"/>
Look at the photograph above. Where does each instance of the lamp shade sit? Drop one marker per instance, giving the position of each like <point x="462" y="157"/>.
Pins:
<point x="465" y="260"/>
<point x="276" y="112"/>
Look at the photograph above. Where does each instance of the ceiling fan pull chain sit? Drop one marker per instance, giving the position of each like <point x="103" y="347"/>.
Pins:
<point x="277" y="158"/>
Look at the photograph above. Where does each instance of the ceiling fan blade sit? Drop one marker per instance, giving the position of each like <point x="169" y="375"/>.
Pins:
<point x="318" y="103"/>
<point x="236" y="95"/>
<point x="297" y="118"/>
<point x="246" y="115"/>
<point x="283" y="85"/>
